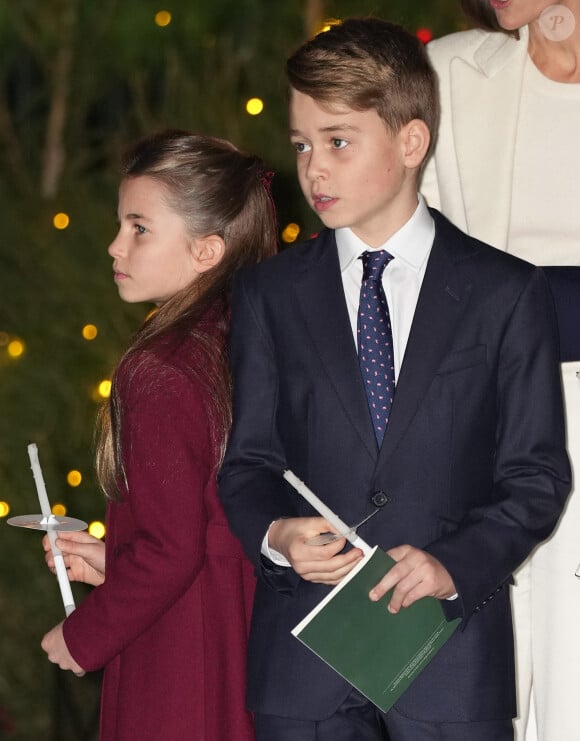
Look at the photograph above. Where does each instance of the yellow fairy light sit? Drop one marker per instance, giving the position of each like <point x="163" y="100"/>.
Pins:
<point x="290" y="233"/>
<point x="59" y="510"/>
<point x="74" y="478"/>
<point x="90" y="331"/>
<point x="163" y="18"/>
<point x="254" y="106"/>
<point x="104" y="389"/>
<point x="61" y="220"/>
<point x="4" y="509"/>
<point x="15" y="348"/>
<point x="97" y="529"/>
<point x="329" y="24"/>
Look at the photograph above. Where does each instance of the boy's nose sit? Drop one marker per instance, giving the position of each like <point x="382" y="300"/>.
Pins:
<point x="316" y="167"/>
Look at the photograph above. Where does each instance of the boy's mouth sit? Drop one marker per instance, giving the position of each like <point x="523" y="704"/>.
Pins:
<point x="322" y="202"/>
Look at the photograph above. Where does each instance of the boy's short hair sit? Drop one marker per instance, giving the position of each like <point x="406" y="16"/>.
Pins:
<point x="369" y="63"/>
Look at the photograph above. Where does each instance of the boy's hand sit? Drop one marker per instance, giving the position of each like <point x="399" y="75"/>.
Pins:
<point x="54" y="645"/>
<point x="416" y="574"/>
<point x="84" y="556"/>
<point x="322" y="564"/>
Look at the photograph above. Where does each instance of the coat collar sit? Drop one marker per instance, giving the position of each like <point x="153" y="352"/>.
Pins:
<point x="499" y="50"/>
<point x="485" y="98"/>
<point x="322" y="302"/>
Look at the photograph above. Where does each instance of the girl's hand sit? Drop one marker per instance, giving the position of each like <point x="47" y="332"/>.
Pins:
<point x="84" y="556"/>
<point x="57" y="651"/>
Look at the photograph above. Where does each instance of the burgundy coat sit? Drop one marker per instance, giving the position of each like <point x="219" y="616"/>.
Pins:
<point x="169" y="625"/>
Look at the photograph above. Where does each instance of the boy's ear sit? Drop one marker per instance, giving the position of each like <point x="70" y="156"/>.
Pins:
<point x="208" y="252"/>
<point x="415" y="141"/>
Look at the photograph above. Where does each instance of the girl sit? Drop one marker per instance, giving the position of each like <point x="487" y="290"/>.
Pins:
<point x="168" y="623"/>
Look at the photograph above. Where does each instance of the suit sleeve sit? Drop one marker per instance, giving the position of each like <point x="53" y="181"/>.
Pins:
<point x="531" y="468"/>
<point x="167" y="458"/>
<point x="251" y="486"/>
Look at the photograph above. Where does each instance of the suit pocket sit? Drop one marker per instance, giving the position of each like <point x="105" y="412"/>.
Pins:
<point x="462" y="359"/>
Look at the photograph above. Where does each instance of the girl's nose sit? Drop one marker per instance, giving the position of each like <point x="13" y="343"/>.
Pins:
<point x="115" y="248"/>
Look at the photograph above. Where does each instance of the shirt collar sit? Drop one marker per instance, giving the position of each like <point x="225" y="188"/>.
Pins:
<point x="411" y="244"/>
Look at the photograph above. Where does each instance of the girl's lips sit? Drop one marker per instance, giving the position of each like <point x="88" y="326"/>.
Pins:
<point x="120" y="276"/>
<point x="499" y="4"/>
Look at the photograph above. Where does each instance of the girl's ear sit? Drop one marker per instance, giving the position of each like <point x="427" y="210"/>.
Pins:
<point x="208" y="252"/>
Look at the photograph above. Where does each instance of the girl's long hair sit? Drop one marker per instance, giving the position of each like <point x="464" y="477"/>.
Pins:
<point x="216" y="189"/>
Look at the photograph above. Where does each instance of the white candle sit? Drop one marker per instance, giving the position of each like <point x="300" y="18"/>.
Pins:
<point x="49" y="520"/>
<point x="324" y="511"/>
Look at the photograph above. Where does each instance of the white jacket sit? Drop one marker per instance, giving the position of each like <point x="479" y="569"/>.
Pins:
<point x="480" y="75"/>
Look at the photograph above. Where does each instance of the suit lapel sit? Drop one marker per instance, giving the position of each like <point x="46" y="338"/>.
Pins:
<point x="442" y="301"/>
<point x="321" y="300"/>
<point x="485" y="99"/>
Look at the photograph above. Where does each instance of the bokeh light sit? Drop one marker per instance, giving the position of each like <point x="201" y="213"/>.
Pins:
<point x="290" y="233"/>
<point x="328" y="24"/>
<point x="97" y="529"/>
<point x="74" y="478"/>
<point x="104" y="389"/>
<point x="90" y="331"/>
<point x="61" y="220"/>
<point x="163" y="18"/>
<point x="58" y="509"/>
<point x="424" y="34"/>
<point x="254" y="106"/>
<point x="16" y="348"/>
<point x="4" y="509"/>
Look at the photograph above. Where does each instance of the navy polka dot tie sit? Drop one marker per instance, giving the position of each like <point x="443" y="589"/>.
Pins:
<point x="375" y="341"/>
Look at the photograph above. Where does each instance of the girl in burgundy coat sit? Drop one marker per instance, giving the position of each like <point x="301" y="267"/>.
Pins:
<point x="168" y="617"/>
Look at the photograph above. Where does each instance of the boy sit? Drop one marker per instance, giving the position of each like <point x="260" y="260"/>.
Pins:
<point x="463" y="462"/>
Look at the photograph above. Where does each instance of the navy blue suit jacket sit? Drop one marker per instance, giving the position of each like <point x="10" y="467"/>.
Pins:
<point x="473" y="462"/>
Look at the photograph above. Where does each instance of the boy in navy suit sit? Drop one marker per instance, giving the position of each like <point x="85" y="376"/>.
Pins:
<point x="398" y="367"/>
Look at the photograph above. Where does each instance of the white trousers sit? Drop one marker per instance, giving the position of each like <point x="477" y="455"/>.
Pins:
<point x="546" y="607"/>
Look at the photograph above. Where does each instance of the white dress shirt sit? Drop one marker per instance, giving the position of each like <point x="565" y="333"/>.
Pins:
<point x="402" y="278"/>
<point x="410" y="247"/>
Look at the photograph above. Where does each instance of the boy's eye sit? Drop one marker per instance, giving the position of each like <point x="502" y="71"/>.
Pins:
<point x="300" y="147"/>
<point x="339" y="143"/>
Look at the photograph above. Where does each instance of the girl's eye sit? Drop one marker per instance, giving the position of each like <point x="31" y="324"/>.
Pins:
<point x="140" y="229"/>
<point x="339" y="143"/>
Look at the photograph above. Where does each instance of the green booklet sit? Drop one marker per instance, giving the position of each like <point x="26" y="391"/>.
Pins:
<point x="378" y="653"/>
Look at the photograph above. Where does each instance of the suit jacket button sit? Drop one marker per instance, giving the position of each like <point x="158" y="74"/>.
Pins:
<point x="379" y="498"/>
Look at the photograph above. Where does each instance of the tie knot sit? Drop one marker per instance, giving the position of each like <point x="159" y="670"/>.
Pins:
<point x="374" y="262"/>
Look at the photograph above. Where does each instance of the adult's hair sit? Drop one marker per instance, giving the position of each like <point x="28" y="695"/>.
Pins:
<point x="217" y="190"/>
<point x="482" y="15"/>
<point x="369" y="63"/>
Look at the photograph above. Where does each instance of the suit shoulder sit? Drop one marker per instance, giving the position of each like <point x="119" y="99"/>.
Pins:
<point x="286" y="265"/>
<point x="466" y="247"/>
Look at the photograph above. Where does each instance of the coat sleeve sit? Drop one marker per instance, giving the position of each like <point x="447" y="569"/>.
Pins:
<point x="157" y="557"/>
